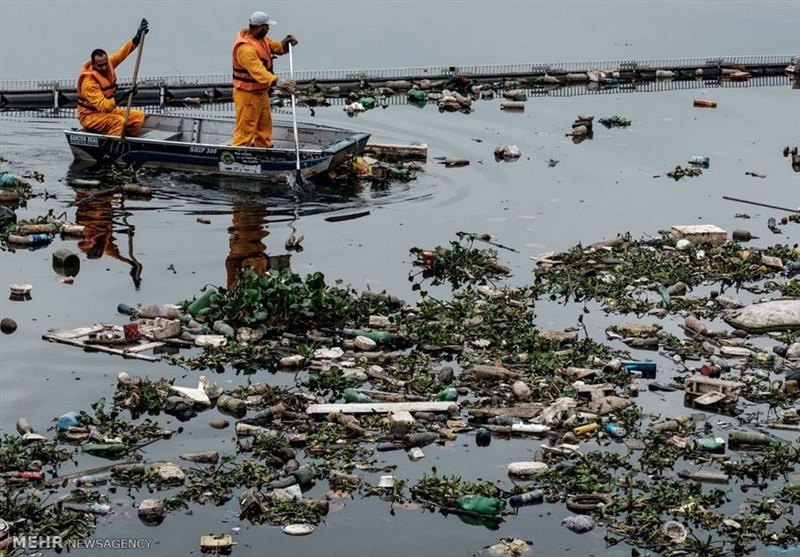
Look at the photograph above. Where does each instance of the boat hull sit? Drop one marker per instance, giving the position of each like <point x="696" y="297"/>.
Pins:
<point x="197" y="145"/>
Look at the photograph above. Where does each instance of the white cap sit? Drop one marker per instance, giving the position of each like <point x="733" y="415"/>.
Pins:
<point x="260" y="18"/>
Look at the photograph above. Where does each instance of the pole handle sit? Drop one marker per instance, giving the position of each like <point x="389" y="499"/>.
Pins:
<point x="133" y="84"/>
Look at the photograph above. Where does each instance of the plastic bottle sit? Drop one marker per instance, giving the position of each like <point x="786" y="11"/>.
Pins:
<point x="380" y="337"/>
<point x="694" y="324"/>
<point x="582" y="429"/>
<point x="234" y="406"/>
<point x="417" y="95"/>
<point x="24" y="426"/>
<point x="699" y="160"/>
<point x="201" y="302"/>
<point x="741" y="235"/>
<point x="705" y="104"/>
<point x="224" y="329"/>
<point x="419" y="439"/>
<point x="68" y="420"/>
<point x="742" y="438"/>
<point x="616" y="431"/>
<point x="530" y="498"/>
<point x="480" y="504"/>
<point x="29" y="239"/>
<point x="155" y="310"/>
<point x="268" y="414"/>
<point x="108" y="450"/>
<point x="529" y="428"/>
<point x="450" y="394"/>
<point x="352" y="395"/>
<point x="92" y="480"/>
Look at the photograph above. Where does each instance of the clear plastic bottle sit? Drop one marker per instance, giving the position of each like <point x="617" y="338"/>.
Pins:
<point x="616" y="431"/>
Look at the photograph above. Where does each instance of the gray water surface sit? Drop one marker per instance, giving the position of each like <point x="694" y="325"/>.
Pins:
<point x="155" y="251"/>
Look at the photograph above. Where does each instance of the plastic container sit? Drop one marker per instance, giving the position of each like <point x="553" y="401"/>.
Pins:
<point x="66" y="263"/>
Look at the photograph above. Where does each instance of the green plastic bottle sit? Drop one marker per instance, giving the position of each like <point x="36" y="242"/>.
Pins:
<point x="352" y="395"/>
<point x="450" y="394"/>
<point x="107" y="450"/>
<point x="202" y="301"/>
<point x="480" y="504"/>
<point x="380" y="337"/>
<point x="417" y="95"/>
<point x="367" y="102"/>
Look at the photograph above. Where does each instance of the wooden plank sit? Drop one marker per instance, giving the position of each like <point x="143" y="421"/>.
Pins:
<point x="380" y="407"/>
<point x="83" y="331"/>
<point x="526" y="411"/>
<point x="391" y="151"/>
<point x="99" y="348"/>
<point x="146" y="346"/>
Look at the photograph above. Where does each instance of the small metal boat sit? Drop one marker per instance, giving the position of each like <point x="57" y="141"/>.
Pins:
<point x="203" y="145"/>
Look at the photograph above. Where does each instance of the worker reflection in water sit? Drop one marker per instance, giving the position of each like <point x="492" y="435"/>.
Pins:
<point x="98" y="95"/>
<point x="96" y="214"/>
<point x="246" y="247"/>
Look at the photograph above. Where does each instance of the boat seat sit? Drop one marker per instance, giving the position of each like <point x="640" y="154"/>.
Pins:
<point x="161" y="135"/>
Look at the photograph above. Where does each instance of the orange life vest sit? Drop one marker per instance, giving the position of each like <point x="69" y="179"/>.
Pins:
<point x="241" y="77"/>
<point x="108" y="86"/>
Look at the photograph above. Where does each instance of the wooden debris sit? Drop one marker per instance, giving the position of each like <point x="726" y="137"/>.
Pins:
<point x="83" y="338"/>
<point x="381" y="407"/>
<point x="392" y="152"/>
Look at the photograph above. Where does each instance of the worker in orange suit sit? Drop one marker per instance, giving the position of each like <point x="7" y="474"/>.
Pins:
<point x="253" y="78"/>
<point x="98" y="95"/>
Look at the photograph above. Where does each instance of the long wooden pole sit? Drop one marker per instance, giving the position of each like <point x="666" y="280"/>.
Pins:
<point x="133" y="84"/>
<point x="761" y="204"/>
<point x="298" y="176"/>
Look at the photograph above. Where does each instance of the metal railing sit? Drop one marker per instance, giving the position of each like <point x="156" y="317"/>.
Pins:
<point x="434" y="72"/>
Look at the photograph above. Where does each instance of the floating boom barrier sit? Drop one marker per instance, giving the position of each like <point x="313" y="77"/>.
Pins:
<point x="553" y="79"/>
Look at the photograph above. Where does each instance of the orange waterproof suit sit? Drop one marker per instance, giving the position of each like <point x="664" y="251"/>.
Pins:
<point x="252" y="80"/>
<point x="97" y="110"/>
